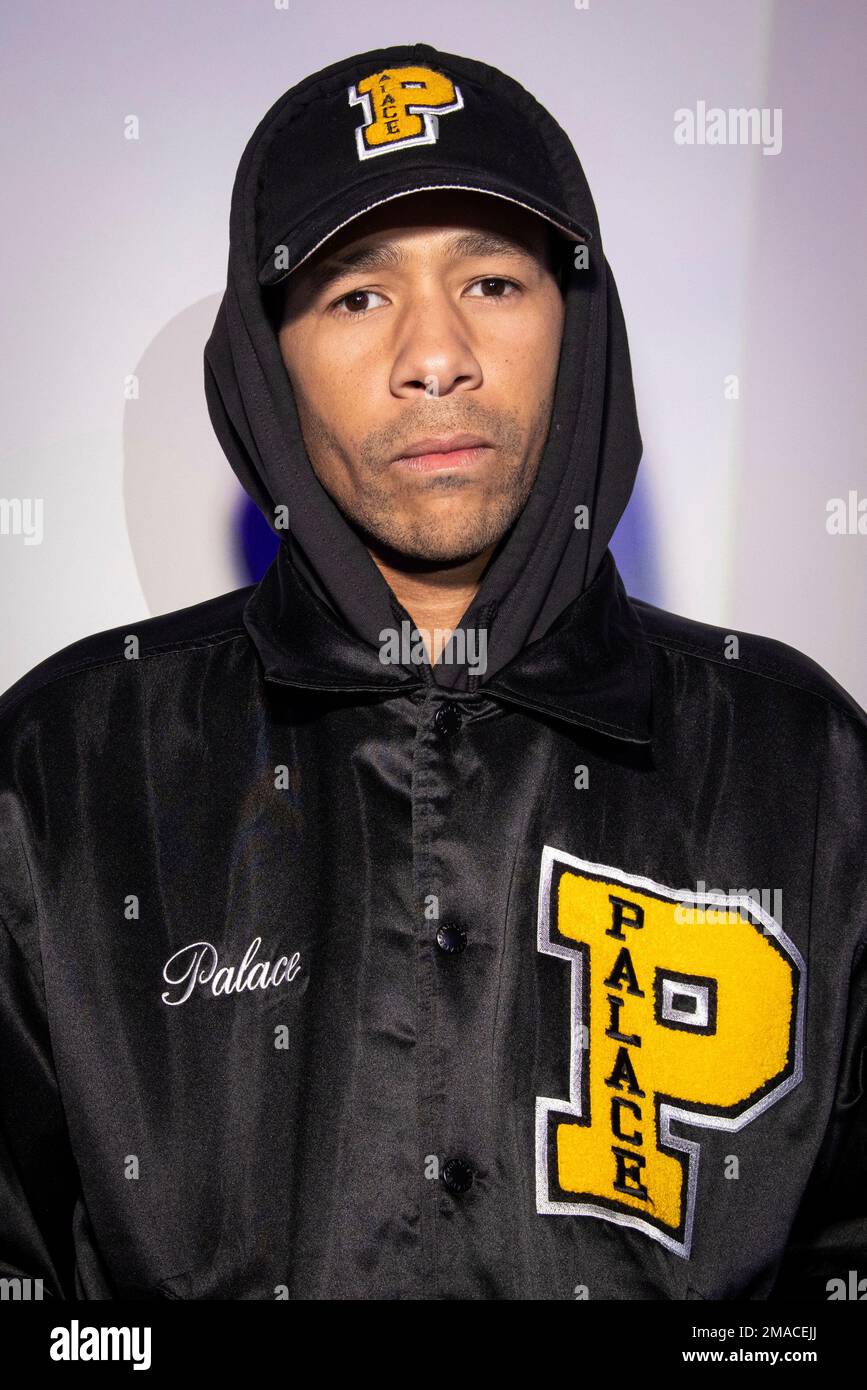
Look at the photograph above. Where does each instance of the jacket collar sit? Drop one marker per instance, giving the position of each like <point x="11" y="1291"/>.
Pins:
<point x="592" y="667"/>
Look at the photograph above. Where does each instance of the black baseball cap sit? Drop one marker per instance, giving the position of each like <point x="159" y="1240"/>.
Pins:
<point x="393" y="122"/>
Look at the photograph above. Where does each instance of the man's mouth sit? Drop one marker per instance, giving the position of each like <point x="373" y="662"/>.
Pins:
<point x="437" y="452"/>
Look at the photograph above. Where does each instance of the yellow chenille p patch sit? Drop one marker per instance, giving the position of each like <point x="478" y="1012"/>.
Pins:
<point x="402" y="107"/>
<point x="684" y="1008"/>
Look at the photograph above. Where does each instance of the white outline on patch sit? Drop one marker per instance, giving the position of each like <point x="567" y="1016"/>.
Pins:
<point x="545" y="1205"/>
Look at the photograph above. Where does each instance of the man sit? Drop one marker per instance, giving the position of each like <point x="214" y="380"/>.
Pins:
<point x="430" y="920"/>
<point x="385" y="410"/>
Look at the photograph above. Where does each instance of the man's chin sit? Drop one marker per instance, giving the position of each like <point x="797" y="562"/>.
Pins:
<point x="427" y="557"/>
<point x="427" y="543"/>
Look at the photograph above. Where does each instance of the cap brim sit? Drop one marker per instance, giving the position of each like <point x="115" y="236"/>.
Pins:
<point x="299" y="245"/>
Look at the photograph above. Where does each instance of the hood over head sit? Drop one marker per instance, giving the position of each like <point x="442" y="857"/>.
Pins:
<point x="338" y="143"/>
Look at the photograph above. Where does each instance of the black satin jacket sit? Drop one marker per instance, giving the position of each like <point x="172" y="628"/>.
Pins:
<point x="321" y="982"/>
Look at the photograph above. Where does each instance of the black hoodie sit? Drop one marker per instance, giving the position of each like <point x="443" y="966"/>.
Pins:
<point x="593" y="448"/>
<point x="318" y="981"/>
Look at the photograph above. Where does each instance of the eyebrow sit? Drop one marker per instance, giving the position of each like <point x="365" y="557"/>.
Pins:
<point x="386" y="255"/>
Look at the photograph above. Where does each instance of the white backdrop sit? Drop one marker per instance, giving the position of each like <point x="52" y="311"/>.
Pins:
<point x="729" y="262"/>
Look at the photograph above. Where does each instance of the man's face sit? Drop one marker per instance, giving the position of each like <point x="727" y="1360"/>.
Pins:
<point x="435" y="316"/>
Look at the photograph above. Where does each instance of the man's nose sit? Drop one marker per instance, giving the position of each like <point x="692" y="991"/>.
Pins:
<point x="433" y="353"/>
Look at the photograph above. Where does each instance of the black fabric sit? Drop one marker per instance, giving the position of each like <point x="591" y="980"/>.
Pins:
<point x="254" y="778"/>
<point x="594" y="444"/>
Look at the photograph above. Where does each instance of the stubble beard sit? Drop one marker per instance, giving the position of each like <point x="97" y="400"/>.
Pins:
<point x="375" y="512"/>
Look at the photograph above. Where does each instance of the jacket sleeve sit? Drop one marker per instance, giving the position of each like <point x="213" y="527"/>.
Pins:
<point x="38" y="1178"/>
<point x="828" y="1241"/>
<point x="826" y="1256"/>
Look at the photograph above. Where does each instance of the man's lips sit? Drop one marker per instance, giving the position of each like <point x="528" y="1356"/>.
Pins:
<point x="444" y="451"/>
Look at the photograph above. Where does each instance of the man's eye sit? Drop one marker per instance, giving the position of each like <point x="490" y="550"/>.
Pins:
<point x="490" y="286"/>
<point x="355" y="303"/>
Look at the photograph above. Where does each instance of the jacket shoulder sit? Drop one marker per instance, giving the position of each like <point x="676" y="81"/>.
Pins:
<point x="201" y="624"/>
<point x="761" y="656"/>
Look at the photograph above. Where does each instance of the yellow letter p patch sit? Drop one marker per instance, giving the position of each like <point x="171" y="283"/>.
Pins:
<point x="402" y="107"/>
<point x="685" y="1008"/>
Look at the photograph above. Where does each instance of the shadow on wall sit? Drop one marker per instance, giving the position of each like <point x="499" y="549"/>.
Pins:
<point x="193" y="530"/>
<point x="181" y="497"/>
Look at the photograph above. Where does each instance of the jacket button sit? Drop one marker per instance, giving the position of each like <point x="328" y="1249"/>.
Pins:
<point x="457" y="1175"/>
<point x="447" y="719"/>
<point x="451" y="938"/>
